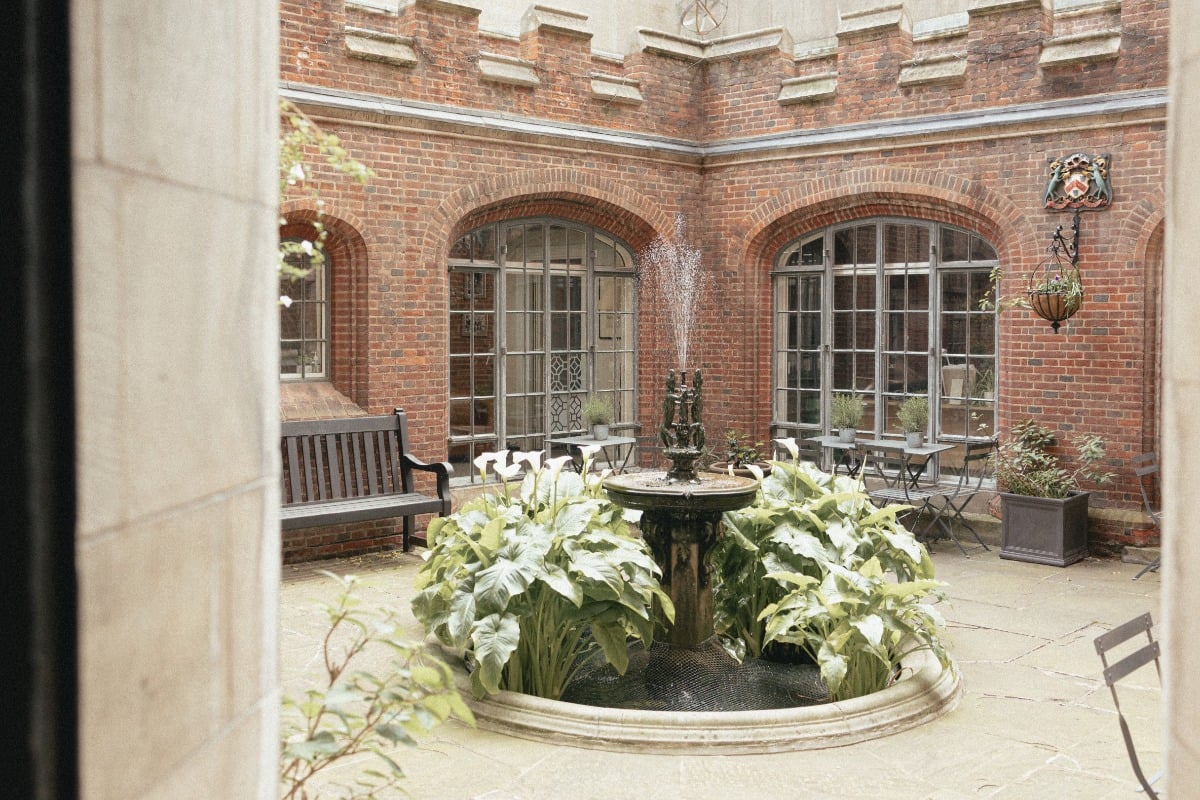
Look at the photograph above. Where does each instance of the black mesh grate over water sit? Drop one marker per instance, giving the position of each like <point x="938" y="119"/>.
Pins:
<point x="706" y="678"/>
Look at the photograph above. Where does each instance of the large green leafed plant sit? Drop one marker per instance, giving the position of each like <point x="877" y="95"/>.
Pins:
<point x="528" y="583"/>
<point x="813" y="564"/>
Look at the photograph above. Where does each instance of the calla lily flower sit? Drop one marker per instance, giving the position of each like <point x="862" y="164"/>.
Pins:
<point x="508" y="471"/>
<point x="789" y="444"/>
<point x="533" y="458"/>
<point x="555" y="465"/>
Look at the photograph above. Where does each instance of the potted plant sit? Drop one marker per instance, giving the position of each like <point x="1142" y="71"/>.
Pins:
<point x="598" y="415"/>
<point x="1043" y="510"/>
<point x="846" y="412"/>
<point x="1056" y="296"/>
<point x="740" y="453"/>
<point x="914" y="419"/>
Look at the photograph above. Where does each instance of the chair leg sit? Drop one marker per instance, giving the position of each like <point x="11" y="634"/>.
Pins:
<point x="1151" y="567"/>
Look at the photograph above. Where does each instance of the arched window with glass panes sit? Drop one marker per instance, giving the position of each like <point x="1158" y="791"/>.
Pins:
<point x="885" y="309"/>
<point x="304" y="312"/>
<point x="542" y="316"/>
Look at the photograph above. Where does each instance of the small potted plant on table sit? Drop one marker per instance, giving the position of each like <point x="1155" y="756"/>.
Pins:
<point x="597" y="416"/>
<point x="846" y="412"/>
<point x="914" y="419"/>
<point x="1043" y="510"/>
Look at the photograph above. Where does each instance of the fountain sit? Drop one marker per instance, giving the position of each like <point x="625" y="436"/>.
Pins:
<point x="685" y="692"/>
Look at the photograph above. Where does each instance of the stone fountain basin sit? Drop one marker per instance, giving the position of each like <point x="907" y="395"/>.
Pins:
<point x="925" y="693"/>
<point x="651" y="491"/>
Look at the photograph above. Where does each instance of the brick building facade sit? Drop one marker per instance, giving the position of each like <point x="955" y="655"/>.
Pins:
<point x="872" y="176"/>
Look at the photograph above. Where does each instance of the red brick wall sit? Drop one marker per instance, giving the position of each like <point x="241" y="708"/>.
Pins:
<point x="435" y="181"/>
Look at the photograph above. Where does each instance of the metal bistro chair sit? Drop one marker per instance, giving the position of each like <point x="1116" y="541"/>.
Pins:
<point x="947" y="503"/>
<point x="1118" y="670"/>
<point x="889" y="468"/>
<point x="1145" y="466"/>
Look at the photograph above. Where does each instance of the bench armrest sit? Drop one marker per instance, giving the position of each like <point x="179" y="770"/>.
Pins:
<point x="443" y="470"/>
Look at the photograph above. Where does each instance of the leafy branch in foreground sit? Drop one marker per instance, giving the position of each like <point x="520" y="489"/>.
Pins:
<point x="301" y="141"/>
<point x="355" y="711"/>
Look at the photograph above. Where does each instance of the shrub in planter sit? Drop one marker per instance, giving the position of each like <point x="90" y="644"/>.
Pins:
<point x="813" y="565"/>
<point x="526" y="584"/>
<point x="1043" y="510"/>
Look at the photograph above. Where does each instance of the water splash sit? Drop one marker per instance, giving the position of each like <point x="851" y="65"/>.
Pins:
<point x="671" y="270"/>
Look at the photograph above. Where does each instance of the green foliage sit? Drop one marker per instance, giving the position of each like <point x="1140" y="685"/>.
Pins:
<point x="300" y="142"/>
<point x="528" y="583"/>
<point x="740" y="450"/>
<point x="355" y="712"/>
<point x="846" y="410"/>
<point x="597" y="411"/>
<point x="914" y="414"/>
<point x="808" y="564"/>
<point x="1025" y="464"/>
<point x="1065" y="282"/>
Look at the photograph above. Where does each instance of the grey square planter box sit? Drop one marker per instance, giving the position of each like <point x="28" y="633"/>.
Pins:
<point x="1044" y="530"/>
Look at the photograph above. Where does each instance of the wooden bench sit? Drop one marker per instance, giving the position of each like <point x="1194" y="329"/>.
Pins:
<point x="355" y="469"/>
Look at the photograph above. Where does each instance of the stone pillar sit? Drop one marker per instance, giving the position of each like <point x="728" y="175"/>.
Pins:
<point x="174" y="143"/>
<point x="1181" y="398"/>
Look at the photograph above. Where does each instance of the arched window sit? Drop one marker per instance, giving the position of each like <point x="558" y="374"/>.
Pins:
<point x="542" y="315"/>
<point x="885" y="309"/>
<point x="304" y="314"/>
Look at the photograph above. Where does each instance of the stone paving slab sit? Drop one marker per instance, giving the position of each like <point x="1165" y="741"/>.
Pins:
<point x="1036" y="719"/>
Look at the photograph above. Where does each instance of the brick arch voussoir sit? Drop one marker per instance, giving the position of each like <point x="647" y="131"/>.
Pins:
<point x="876" y="191"/>
<point x="1141" y="231"/>
<point x="574" y="194"/>
<point x="346" y="234"/>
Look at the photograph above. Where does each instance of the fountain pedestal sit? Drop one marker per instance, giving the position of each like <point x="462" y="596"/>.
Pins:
<point x="681" y="522"/>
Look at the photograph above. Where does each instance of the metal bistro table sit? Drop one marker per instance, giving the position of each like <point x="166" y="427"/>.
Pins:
<point x="610" y="448"/>
<point x="914" y="459"/>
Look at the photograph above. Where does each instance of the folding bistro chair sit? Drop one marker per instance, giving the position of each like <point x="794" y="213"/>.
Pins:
<point x="894" y="486"/>
<point x="1118" y="670"/>
<point x="1145" y="466"/>
<point x="947" y="504"/>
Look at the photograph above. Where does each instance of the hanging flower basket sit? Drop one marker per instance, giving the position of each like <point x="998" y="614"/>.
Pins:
<point x="1055" y="288"/>
<point x="1055" y="307"/>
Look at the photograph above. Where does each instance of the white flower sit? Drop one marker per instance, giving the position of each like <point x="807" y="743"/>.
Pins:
<point x="307" y="246"/>
<point x="790" y="444"/>
<point x="507" y="472"/>
<point x="295" y="174"/>
<point x="483" y="459"/>
<point x="285" y="301"/>
<point x="755" y="470"/>
<point x="533" y="458"/>
<point x="589" y="450"/>
<point x="555" y="465"/>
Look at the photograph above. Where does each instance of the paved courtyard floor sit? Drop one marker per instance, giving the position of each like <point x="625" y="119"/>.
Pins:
<point x="1035" y="719"/>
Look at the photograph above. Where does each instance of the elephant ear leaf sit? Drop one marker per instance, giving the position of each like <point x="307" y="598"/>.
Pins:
<point x="495" y="639"/>
<point x="503" y="580"/>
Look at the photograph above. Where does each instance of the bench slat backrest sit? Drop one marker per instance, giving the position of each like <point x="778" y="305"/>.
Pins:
<point x="336" y="459"/>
